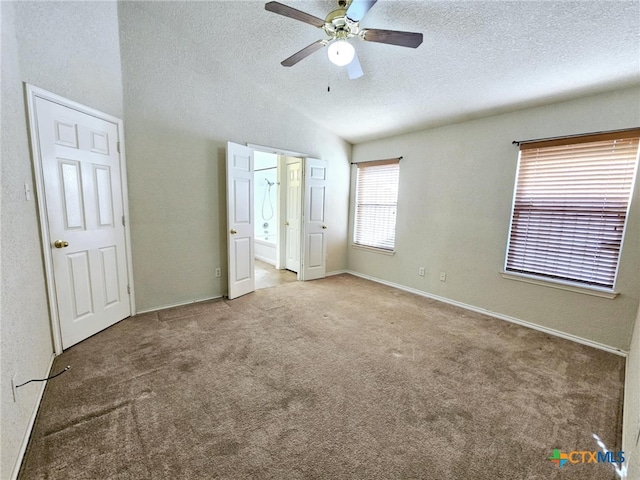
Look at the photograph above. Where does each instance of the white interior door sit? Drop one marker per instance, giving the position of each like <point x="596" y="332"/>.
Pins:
<point x="315" y="227"/>
<point x="83" y="191"/>
<point x="293" y="216"/>
<point x="240" y="221"/>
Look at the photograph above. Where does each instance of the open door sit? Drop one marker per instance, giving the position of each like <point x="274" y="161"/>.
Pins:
<point x="240" y="221"/>
<point x="293" y="215"/>
<point x="314" y="245"/>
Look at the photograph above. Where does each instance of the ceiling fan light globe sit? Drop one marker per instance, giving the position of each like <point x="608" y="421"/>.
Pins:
<point x="341" y="53"/>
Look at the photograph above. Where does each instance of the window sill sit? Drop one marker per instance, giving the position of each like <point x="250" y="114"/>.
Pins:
<point x="373" y="249"/>
<point x="595" y="291"/>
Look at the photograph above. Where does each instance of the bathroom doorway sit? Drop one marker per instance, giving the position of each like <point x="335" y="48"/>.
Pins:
<point x="310" y="240"/>
<point x="278" y="218"/>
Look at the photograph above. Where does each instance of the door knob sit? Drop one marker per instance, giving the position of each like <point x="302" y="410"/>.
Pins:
<point x="286" y="224"/>
<point x="324" y="227"/>
<point x="60" y="244"/>
<point x="233" y="231"/>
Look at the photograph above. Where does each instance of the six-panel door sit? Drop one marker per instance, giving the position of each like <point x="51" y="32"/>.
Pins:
<point x="83" y="194"/>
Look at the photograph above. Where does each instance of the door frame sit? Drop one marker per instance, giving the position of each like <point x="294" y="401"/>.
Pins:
<point x="32" y="93"/>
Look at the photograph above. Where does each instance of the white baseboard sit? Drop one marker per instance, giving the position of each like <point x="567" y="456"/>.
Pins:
<point x="524" y="323"/>
<point x="32" y="421"/>
<point x="336" y="272"/>
<point x="179" y="304"/>
<point x="270" y="261"/>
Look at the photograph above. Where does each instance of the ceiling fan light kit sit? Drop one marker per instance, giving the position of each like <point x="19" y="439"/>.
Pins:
<point x="341" y="25"/>
<point x="341" y="52"/>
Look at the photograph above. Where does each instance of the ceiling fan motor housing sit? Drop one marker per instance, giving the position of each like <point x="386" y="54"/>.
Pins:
<point x="338" y="25"/>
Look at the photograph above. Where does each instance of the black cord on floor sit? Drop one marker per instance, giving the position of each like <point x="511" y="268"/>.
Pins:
<point x="44" y="379"/>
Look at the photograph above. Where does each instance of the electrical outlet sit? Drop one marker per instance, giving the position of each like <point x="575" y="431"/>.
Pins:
<point x="13" y="387"/>
<point x="218" y="272"/>
<point x="443" y="277"/>
<point x="421" y="271"/>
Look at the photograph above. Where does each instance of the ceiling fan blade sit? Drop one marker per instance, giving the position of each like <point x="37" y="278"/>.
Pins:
<point x="290" y="12"/>
<point x="359" y="9"/>
<point x="393" y="37"/>
<point x="354" y="68"/>
<point x="302" y="54"/>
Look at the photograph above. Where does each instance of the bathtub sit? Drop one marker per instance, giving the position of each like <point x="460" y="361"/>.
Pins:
<point x="265" y="248"/>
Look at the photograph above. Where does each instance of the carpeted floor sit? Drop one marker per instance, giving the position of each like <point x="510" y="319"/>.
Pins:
<point x="338" y="378"/>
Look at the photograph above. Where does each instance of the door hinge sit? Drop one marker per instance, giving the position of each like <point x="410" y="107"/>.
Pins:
<point x="129" y="289"/>
<point x="118" y="146"/>
<point x="124" y="223"/>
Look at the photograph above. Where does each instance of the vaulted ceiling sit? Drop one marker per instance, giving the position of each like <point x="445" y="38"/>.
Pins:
<point x="478" y="57"/>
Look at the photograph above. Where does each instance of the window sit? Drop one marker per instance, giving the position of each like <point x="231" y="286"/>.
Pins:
<point x="570" y="207"/>
<point x="376" y="202"/>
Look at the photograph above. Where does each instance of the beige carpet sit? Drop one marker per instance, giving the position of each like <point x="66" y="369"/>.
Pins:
<point x="338" y="378"/>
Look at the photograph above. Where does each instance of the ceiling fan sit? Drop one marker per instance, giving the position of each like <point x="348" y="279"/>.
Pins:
<point x="341" y="25"/>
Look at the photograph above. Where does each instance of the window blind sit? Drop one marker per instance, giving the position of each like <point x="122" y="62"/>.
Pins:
<point x="376" y="202"/>
<point x="570" y="208"/>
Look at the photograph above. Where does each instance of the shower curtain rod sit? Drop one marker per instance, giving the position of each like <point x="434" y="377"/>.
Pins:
<point x="263" y="169"/>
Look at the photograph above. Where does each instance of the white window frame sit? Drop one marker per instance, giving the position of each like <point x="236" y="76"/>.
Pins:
<point x="566" y="148"/>
<point x="376" y="241"/>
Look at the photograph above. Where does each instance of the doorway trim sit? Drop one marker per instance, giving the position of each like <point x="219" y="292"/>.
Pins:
<point x="32" y="93"/>
<point x="277" y="151"/>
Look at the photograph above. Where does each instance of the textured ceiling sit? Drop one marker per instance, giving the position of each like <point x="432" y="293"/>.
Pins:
<point x="478" y="57"/>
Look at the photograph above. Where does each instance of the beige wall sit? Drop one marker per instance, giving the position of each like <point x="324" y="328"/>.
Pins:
<point x="631" y="420"/>
<point x="180" y="110"/>
<point x="70" y="49"/>
<point x="456" y="188"/>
